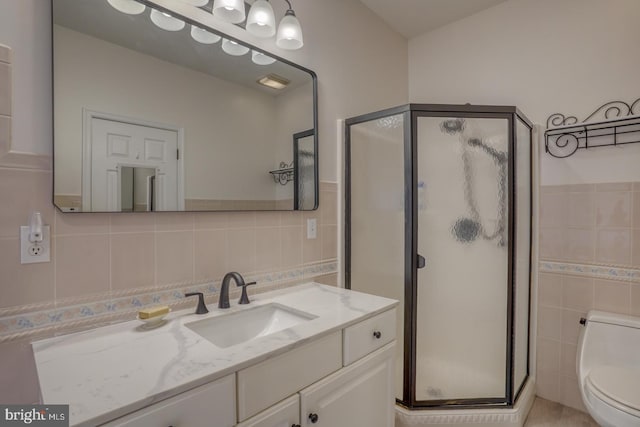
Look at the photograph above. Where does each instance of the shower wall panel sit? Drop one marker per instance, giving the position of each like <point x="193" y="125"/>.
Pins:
<point x="377" y="216"/>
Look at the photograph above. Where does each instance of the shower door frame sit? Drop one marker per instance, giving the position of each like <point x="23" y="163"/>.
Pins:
<point x="411" y="113"/>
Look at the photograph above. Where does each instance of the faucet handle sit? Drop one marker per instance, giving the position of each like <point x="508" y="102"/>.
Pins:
<point x="202" y="308"/>
<point x="244" y="298"/>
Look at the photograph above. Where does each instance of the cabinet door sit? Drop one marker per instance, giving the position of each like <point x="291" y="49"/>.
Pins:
<point x="284" y="414"/>
<point x="212" y="404"/>
<point x="360" y="395"/>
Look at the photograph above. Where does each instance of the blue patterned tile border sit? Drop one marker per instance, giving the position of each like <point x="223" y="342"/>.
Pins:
<point x="122" y="306"/>
<point x="625" y="274"/>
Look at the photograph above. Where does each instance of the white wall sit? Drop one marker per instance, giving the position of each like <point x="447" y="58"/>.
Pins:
<point x="91" y="73"/>
<point x="546" y="57"/>
<point x="291" y="119"/>
<point x="360" y="62"/>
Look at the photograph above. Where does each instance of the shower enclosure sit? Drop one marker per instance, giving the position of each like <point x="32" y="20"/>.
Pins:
<point x="438" y="216"/>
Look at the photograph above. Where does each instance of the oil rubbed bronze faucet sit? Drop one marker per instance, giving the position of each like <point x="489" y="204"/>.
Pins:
<point x="223" y="301"/>
<point x="202" y="308"/>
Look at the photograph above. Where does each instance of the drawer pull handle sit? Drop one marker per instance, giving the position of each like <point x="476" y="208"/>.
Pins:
<point x="377" y="334"/>
<point x="313" y="418"/>
<point x="295" y="425"/>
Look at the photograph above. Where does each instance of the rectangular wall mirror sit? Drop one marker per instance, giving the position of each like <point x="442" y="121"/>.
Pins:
<point x="150" y="119"/>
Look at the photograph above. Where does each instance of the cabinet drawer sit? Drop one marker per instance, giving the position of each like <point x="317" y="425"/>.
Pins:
<point x="269" y="382"/>
<point x="368" y="335"/>
<point x="195" y="408"/>
<point x="285" y="414"/>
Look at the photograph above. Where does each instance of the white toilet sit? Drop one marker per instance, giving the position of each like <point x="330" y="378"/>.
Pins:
<point x="608" y="367"/>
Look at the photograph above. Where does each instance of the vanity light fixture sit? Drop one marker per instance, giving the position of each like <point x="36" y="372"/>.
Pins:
<point x="130" y="7"/>
<point x="260" y="58"/>
<point x="261" y="21"/>
<point x="289" y="31"/>
<point x="166" y="21"/>
<point x="203" y="36"/>
<point x="229" y="10"/>
<point x="274" y="81"/>
<point x="233" y="48"/>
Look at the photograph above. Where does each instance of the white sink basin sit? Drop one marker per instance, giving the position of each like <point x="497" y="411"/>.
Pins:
<point x="242" y="326"/>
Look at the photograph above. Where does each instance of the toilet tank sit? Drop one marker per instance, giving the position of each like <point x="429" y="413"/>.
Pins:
<point x="608" y="339"/>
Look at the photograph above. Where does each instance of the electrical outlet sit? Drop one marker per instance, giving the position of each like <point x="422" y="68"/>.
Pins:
<point x="312" y="228"/>
<point x="34" y="252"/>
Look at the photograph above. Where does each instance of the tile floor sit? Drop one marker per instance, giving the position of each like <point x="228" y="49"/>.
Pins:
<point x="545" y="413"/>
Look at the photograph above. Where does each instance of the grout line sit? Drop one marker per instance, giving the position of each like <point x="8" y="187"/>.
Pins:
<point x="155" y="252"/>
<point x="110" y="256"/>
<point x="54" y="259"/>
<point x="192" y="220"/>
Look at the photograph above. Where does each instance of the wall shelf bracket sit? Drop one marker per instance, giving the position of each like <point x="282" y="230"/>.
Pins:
<point x="283" y="174"/>
<point x="614" y="123"/>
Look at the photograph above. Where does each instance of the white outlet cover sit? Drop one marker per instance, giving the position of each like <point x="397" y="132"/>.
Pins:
<point x="312" y="228"/>
<point x="25" y="244"/>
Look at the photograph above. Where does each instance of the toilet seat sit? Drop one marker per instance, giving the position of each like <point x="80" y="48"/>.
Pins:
<point x="618" y="387"/>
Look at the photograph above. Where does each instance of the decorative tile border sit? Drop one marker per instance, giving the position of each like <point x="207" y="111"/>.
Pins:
<point x="625" y="274"/>
<point x="24" y="322"/>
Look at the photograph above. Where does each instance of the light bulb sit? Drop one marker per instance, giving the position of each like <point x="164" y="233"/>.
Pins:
<point x="229" y="10"/>
<point x="166" y="21"/>
<point x="260" y="58"/>
<point x="129" y="7"/>
<point x="289" y="32"/>
<point x="196" y="3"/>
<point x="203" y="36"/>
<point x="261" y="21"/>
<point x="233" y="48"/>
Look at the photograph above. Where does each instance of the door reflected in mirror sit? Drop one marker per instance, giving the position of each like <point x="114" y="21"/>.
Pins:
<point x="130" y="96"/>
<point x="137" y="189"/>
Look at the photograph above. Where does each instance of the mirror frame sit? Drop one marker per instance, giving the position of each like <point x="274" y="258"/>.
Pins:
<point x="314" y="131"/>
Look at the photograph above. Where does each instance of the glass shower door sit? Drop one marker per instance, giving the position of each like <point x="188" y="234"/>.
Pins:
<point x="375" y="210"/>
<point x="462" y="232"/>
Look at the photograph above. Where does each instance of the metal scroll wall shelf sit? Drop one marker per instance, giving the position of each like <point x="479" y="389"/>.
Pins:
<point x="283" y="174"/>
<point x="614" y="123"/>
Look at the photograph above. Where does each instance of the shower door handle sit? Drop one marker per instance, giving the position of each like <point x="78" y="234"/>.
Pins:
<point x="421" y="261"/>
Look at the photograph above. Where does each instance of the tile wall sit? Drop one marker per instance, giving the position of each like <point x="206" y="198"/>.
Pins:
<point x="97" y="257"/>
<point x="104" y="267"/>
<point x="589" y="259"/>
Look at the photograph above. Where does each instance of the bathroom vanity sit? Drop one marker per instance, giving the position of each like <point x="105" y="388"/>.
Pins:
<point x="321" y="355"/>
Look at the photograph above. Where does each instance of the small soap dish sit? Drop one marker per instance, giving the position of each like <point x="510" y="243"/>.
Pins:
<point x="153" y="322"/>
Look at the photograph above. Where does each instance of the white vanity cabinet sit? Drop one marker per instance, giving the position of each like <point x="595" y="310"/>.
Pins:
<point x="332" y="369"/>
<point x="210" y="404"/>
<point x="360" y="395"/>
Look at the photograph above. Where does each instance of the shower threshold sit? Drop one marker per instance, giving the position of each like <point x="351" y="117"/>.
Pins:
<point x="514" y="416"/>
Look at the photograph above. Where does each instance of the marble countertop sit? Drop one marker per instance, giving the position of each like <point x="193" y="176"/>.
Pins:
<point x="111" y="371"/>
